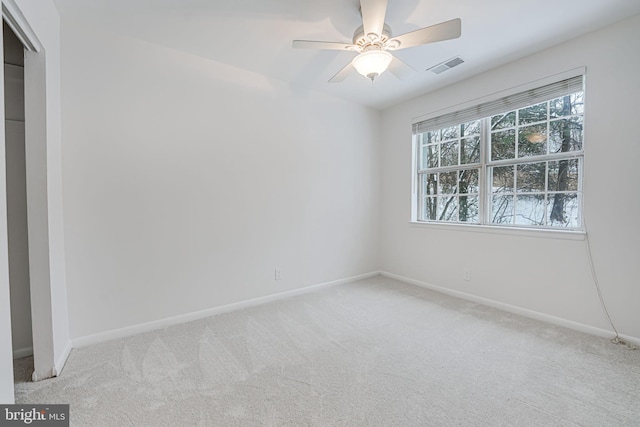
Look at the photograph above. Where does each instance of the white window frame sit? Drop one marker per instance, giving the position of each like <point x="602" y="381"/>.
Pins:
<point x="485" y="163"/>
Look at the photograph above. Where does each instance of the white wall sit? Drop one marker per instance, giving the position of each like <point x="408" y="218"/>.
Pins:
<point x="547" y="275"/>
<point x="187" y="182"/>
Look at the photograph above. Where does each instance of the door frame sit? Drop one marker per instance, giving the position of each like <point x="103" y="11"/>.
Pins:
<point x="50" y="338"/>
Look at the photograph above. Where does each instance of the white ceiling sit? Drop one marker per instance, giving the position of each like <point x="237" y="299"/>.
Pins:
<point x="256" y="35"/>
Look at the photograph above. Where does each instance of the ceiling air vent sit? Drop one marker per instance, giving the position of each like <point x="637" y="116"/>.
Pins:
<point x="447" y="65"/>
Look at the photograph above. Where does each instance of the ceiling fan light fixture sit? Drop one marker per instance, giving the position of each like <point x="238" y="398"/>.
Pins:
<point x="373" y="39"/>
<point x="372" y="63"/>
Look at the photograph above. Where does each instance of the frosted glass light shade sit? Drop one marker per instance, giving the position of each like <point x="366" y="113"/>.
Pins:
<point x="372" y="63"/>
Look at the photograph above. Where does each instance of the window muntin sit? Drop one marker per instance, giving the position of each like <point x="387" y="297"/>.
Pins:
<point x="451" y="196"/>
<point x="515" y="168"/>
<point x="549" y="127"/>
<point x="451" y="146"/>
<point x="537" y="194"/>
<point x="451" y="191"/>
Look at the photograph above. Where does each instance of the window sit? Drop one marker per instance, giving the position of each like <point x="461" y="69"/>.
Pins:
<point x="516" y="161"/>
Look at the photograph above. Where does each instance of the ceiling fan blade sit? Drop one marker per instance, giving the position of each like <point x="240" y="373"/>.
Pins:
<point x="311" y="44"/>
<point x="342" y="74"/>
<point x="444" y="31"/>
<point x="373" y="14"/>
<point x="401" y="69"/>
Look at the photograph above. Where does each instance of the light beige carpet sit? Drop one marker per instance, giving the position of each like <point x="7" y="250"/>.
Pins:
<point x="22" y="369"/>
<point x="371" y="353"/>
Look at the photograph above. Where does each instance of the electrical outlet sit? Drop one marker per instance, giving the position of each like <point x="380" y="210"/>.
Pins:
<point x="467" y="275"/>
<point x="278" y="274"/>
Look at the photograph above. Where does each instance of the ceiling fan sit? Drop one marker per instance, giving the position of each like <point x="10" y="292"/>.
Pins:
<point x="373" y="40"/>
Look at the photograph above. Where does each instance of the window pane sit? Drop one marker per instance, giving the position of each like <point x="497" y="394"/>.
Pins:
<point x="503" y="145"/>
<point x="468" y="208"/>
<point x="534" y="113"/>
<point x="471" y="128"/>
<point x="533" y="133"/>
<point x="502" y="179"/>
<point x="428" y="184"/>
<point x="448" y="133"/>
<point x="470" y="150"/>
<point x="563" y="210"/>
<point x="567" y="105"/>
<point x="577" y="103"/>
<point x="468" y="181"/>
<point x="530" y="210"/>
<point x="531" y="177"/>
<point x="532" y="140"/>
<point x="563" y="175"/>
<point x="430" y="210"/>
<point x="448" y="183"/>
<point x="501" y="121"/>
<point x="429" y="157"/>
<point x="429" y="137"/>
<point x="502" y="209"/>
<point x="448" y="208"/>
<point x="449" y="153"/>
<point x="565" y="135"/>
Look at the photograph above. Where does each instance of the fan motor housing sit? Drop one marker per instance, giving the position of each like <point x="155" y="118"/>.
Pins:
<point x="365" y="43"/>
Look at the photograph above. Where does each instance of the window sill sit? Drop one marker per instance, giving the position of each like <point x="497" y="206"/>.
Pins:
<point x="511" y="231"/>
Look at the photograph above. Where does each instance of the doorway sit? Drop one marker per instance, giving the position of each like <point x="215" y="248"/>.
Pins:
<point x="16" y="195"/>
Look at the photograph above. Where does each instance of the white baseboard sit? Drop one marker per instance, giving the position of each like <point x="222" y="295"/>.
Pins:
<point x="22" y="352"/>
<point x="62" y="360"/>
<point x="189" y="317"/>
<point x="513" y="309"/>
